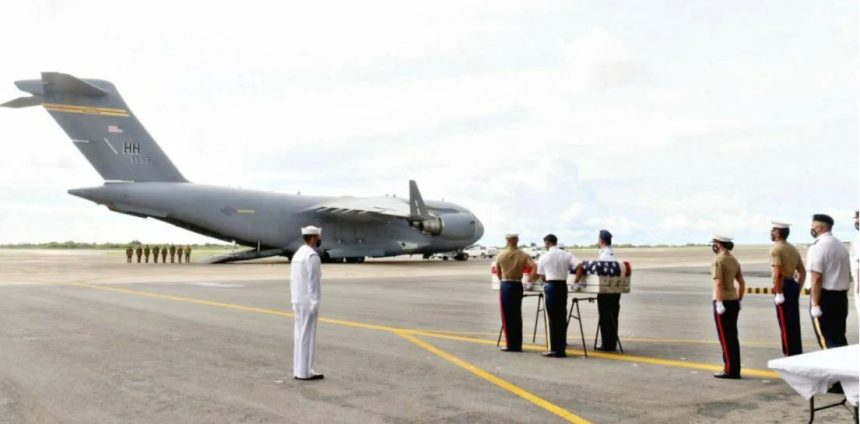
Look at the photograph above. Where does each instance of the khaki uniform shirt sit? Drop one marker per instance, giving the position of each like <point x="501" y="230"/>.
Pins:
<point x="511" y="262"/>
<point x="786" y="257"/>
<point x="726" y="267"/>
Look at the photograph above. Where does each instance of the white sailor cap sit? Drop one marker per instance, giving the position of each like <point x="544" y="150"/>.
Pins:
<point x="780" y="225"/>
<point x="310" y="230"/>
<point x="511" y="235"/>
<point x="722" y="238"/>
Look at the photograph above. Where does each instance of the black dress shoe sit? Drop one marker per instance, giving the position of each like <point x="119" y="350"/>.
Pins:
<point x="728" y="376"/>
<point x="605" y="349"/>
<point x="313" y="377"/>
<point x="504" y="349"/>
<point x="836" y="388"/>
<point x="554" y="354"/>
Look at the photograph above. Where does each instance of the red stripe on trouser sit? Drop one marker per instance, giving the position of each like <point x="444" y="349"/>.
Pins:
<point x="504" y="323"/>
<point x="783" y="329"/>
<point x="727" y="363"/>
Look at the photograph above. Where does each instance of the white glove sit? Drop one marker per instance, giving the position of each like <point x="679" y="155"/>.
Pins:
<point x="720" y="308"/>
<point x="575" y="287"/>
<point x="816" y="311"/>
<point x="779" y="299"/>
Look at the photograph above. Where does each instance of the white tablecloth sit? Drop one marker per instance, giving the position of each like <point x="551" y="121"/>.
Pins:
<point x="813" y="373"/>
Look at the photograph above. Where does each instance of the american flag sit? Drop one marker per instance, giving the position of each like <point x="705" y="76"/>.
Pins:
<point x="606" y="268"/>
<point x="114" y="129"/>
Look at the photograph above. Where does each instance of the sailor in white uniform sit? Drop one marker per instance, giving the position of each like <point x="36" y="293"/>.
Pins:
<point x="305" y="289"/>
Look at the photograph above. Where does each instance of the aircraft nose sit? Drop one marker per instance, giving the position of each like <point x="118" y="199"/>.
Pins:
<point x="479" y="228"/>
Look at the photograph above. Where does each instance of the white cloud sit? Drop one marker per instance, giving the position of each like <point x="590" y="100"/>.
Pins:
<point x="661" y="124"/>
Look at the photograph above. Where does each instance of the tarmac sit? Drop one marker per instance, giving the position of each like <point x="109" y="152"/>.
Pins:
<point x="87" y="338"/>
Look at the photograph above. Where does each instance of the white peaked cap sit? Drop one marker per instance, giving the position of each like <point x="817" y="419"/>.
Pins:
<point x="310" y="230"/>
<point x="511" y="235"/>
<point x="780" y="225"/>
<point x="722" y="238"/>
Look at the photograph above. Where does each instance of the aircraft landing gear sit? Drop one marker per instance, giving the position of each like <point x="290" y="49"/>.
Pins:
<point x="461" y="256"/>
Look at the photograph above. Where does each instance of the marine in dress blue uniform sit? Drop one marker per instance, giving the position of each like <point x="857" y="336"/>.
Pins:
<point x="785" y="263"/>
<point x="510" y="264"/>
<point x="727" y="304"/>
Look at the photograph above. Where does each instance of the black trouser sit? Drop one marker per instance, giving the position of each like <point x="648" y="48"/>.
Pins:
<point x="830" y="327"/>
<point x="788" y="316"/>
<point x="727" y="331"/>
<point x="555" y="299"/>
<point x="608" y="307"/>
<point x="511" y="304"/>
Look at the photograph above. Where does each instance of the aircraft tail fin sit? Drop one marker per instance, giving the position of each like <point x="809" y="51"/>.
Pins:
<point x="101" y="126"/>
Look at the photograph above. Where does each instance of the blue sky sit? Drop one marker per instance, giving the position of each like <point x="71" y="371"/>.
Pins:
<point x="663" y="121"/>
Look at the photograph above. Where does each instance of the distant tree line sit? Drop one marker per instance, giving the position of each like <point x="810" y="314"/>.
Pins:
<point x="78" y="245"/>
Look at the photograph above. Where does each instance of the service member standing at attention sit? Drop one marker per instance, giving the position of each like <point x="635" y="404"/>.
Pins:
<point x="305" y="275"/>
<point x="138" y="252"/>
<point x="172" y="253"/>
<point x="146" y="253"/>
<point x="129" y="252"/>
<point x="155" y="252"/>
<point x="188" y="254"/>
<point x="553" y="268"/>
<point x="727" y="304"/>
<point x="164" y="254"/>
<point x="179" y="253"/>
<point x="509" y="265"/>
<point x="855" y="263"/>
<point x="827" y="259"/>
<point x="608" y="304"/>
<point x="785" y="261"/>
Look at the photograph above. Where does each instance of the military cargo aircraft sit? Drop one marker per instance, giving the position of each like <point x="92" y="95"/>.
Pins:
<point x="141" y="181"/>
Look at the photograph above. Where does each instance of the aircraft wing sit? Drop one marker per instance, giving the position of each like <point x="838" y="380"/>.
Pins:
<point x="346" y="206"/>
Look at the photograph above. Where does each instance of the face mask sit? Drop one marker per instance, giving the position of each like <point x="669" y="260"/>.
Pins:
<point x="319" y="242"/>
<point x="715" y="248"/>
<point x="772" y="236"/>
<point x="813" y="233"/>
<point x="857" y="225"/>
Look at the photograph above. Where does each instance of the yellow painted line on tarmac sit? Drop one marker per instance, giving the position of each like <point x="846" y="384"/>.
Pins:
<point x="353" y="324"/>
<point x="613" y="356"/>
<point x="504" y="384"/>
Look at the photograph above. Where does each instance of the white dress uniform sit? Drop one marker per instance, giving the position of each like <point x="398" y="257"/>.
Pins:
<point x="606" y="254"/>
<point x="555" y="265"/>
<point x="829" y="257"/>
<point x="855" y="272"/>
<point x="305" y="278"/>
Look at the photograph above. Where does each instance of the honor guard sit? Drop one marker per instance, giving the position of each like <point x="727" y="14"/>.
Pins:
<point x="172" y="253"/>
<point x="164" y="254"/>
<point x="608" y="304"/>
<point x="785" y="262"/>
<point x="510" y="264"/>
<point x="855" y="263"/>
<point x="179" y="253"/>
<point x="129" y="252"/>
<point x="827" y="259"/>
<point x="188" y="254"/>
<point x="727" y="304"/>
<point x="155" y="252"/>
<point x="146" y="252"/>
<point x="138" y="252"/>
<point x="553" y="268"/>
<point x="305" y="276"/>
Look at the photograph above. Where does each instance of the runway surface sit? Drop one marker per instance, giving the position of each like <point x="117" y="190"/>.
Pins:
<point x="85" y="338"/>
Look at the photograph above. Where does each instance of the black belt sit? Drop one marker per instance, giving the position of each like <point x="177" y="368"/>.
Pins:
<point x="513" y="281"/>
<point x="556" y="281"/>
<point x="834" y="291"/>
